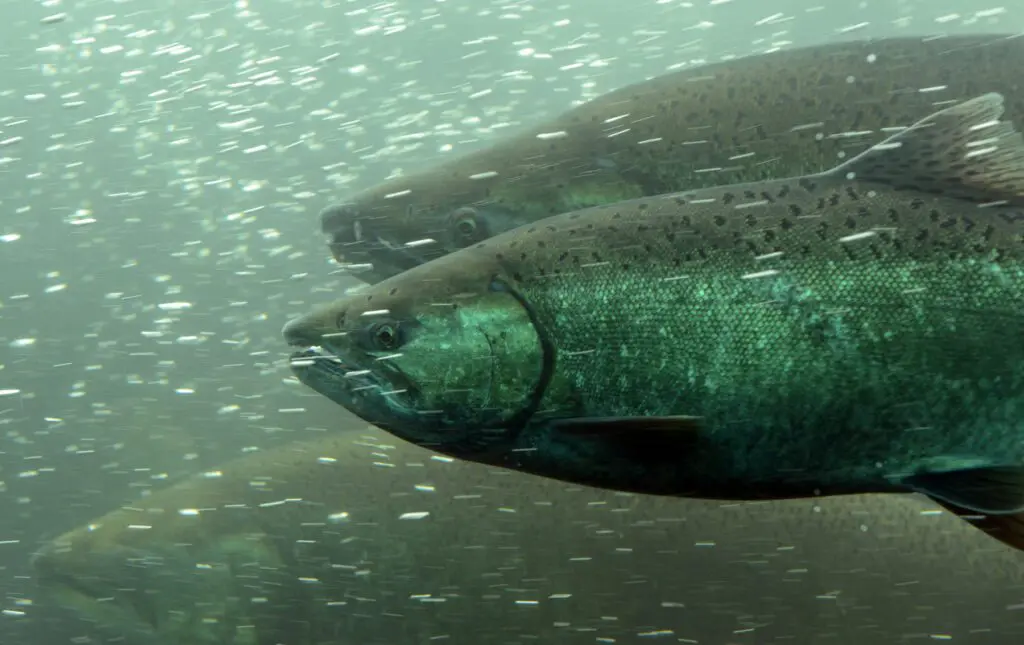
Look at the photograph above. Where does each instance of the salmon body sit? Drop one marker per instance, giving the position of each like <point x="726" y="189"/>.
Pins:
<point x="857" y="330"/>
<point x="777" y="115"/>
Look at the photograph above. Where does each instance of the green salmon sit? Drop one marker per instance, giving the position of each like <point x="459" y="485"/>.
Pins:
<point x="351" y="539"/>
<point x="782" y="114"/>
<point x="858" y="330"/>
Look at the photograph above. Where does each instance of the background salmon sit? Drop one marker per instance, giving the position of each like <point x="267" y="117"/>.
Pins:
<point x="352" y="538"/>
<point x="776" y="115"/>
<point x="852" y="331"/>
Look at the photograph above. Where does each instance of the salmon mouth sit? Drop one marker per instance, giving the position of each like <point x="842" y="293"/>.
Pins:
<point x="370" y="394"/>
<point x="375" y="396"/>
<point x="366" y="246"/>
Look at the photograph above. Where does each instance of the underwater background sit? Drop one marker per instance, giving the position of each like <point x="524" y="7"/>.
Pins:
<point x="161" y="169"/>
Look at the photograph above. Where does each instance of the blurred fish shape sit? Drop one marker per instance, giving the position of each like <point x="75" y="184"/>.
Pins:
<point x="355" y="538"/>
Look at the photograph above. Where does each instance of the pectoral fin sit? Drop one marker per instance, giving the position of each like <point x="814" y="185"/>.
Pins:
<point x="643" y="438"/>
<point x="993" y="490"/>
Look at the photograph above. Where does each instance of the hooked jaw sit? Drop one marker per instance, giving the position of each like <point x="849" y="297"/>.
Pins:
<point x="380" y="245"/>
<point x="318" y="363"/>
<point x="367" y="248"/>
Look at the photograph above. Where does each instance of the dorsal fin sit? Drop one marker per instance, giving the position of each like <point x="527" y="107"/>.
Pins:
<point x="963" y="151"/>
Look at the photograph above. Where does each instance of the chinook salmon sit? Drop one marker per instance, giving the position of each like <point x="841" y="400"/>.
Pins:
<point x="858" y="330"/>
<point x="782" y="114"/>
<point x="351" y="538"/>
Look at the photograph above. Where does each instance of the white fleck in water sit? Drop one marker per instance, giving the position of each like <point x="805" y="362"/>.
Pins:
<point x="188" y="512"/>
<point x="174" y="306"/>
<point x="484" y="175"/>
<point x="771" y="18"/>
<point x="857" y="236"/>
<point x="762" y="202"/>
<point x="561" y="134"/>
<point x="417" y="515"/>
<point x="23" y="342"/>
<point x="423" y="242"/>
<point x="849" y="28"/>
<point x="760" y="274"/>
<point x="656" y="633"/>
<point x="981" y="152"/>
<point x="9" y="392"/>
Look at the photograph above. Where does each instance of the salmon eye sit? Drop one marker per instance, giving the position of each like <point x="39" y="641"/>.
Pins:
<point x="385" y="336"/>
<point x="464" y="223"/>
